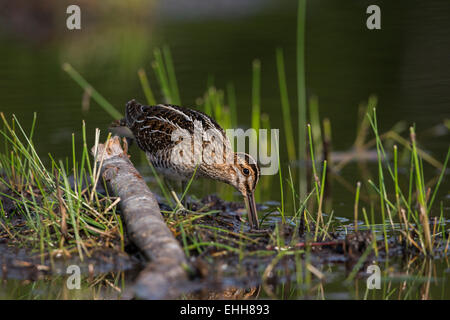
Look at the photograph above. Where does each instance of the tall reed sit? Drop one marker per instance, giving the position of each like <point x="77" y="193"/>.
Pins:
<point x="301" y="95"/>
<point x="288" y="131"/>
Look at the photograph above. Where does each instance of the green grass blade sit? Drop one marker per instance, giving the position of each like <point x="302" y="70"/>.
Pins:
<point x="108" y="107"/>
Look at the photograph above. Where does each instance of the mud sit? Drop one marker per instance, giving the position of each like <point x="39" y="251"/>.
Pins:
<point x="239" y="263"/>
<point x="24" y="264"/>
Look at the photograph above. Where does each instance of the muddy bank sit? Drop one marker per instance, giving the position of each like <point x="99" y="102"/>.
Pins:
<point x="226" y="259"/>
<point x="23" y="264"/>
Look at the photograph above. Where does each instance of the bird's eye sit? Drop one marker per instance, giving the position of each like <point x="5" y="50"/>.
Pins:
<point x="246" y="171"/>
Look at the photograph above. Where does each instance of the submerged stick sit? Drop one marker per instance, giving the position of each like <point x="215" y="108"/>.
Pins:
<point x="144" y="222"/>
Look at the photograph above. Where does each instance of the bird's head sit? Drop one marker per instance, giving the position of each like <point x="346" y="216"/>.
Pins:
<point x="244" y="176"/>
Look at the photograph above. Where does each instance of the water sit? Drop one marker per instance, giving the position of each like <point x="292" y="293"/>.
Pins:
<point x="405" y="64"/>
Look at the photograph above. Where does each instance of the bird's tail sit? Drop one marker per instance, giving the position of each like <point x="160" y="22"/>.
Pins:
<point x="124" y="127"/>
<point x="120" y="128"/>
<point x="133" y="110"/>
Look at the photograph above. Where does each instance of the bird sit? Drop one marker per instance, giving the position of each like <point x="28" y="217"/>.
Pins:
<point x="183" y="142"/>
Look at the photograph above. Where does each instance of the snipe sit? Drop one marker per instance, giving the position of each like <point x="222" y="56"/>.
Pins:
<point x="157" y="131"/>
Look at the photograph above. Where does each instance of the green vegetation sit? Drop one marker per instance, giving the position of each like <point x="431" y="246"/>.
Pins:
<point x="301" y="92"/>
<point x="57" y="209"/>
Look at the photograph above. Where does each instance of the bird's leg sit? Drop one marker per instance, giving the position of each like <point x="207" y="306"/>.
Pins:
<point x="167" y="184"/>
<point x="171" y="189"/>
<point x="179" y="204"/>
<point x="183" y="189"/>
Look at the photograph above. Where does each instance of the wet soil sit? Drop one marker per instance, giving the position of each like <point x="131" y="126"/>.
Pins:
<point x="234" y="263"/>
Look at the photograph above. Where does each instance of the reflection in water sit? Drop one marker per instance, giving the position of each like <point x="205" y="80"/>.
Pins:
<point x="230" y="293"/>
<point x="322" y="275"/>
<point x="106" y="286"/>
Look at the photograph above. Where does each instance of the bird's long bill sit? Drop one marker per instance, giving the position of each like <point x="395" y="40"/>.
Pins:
<point x="251" y="210"/>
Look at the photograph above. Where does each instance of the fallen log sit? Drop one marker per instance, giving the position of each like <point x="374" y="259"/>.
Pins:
<point x="144" y="223"/>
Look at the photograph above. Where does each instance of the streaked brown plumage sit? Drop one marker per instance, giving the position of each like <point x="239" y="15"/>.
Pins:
<point x="154" y="128"/>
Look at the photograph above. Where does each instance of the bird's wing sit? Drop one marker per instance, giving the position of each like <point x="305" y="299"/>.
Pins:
<point x="153" y="126"/>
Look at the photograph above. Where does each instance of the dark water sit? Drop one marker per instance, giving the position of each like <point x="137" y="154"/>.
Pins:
<point x="406" y="64"/>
